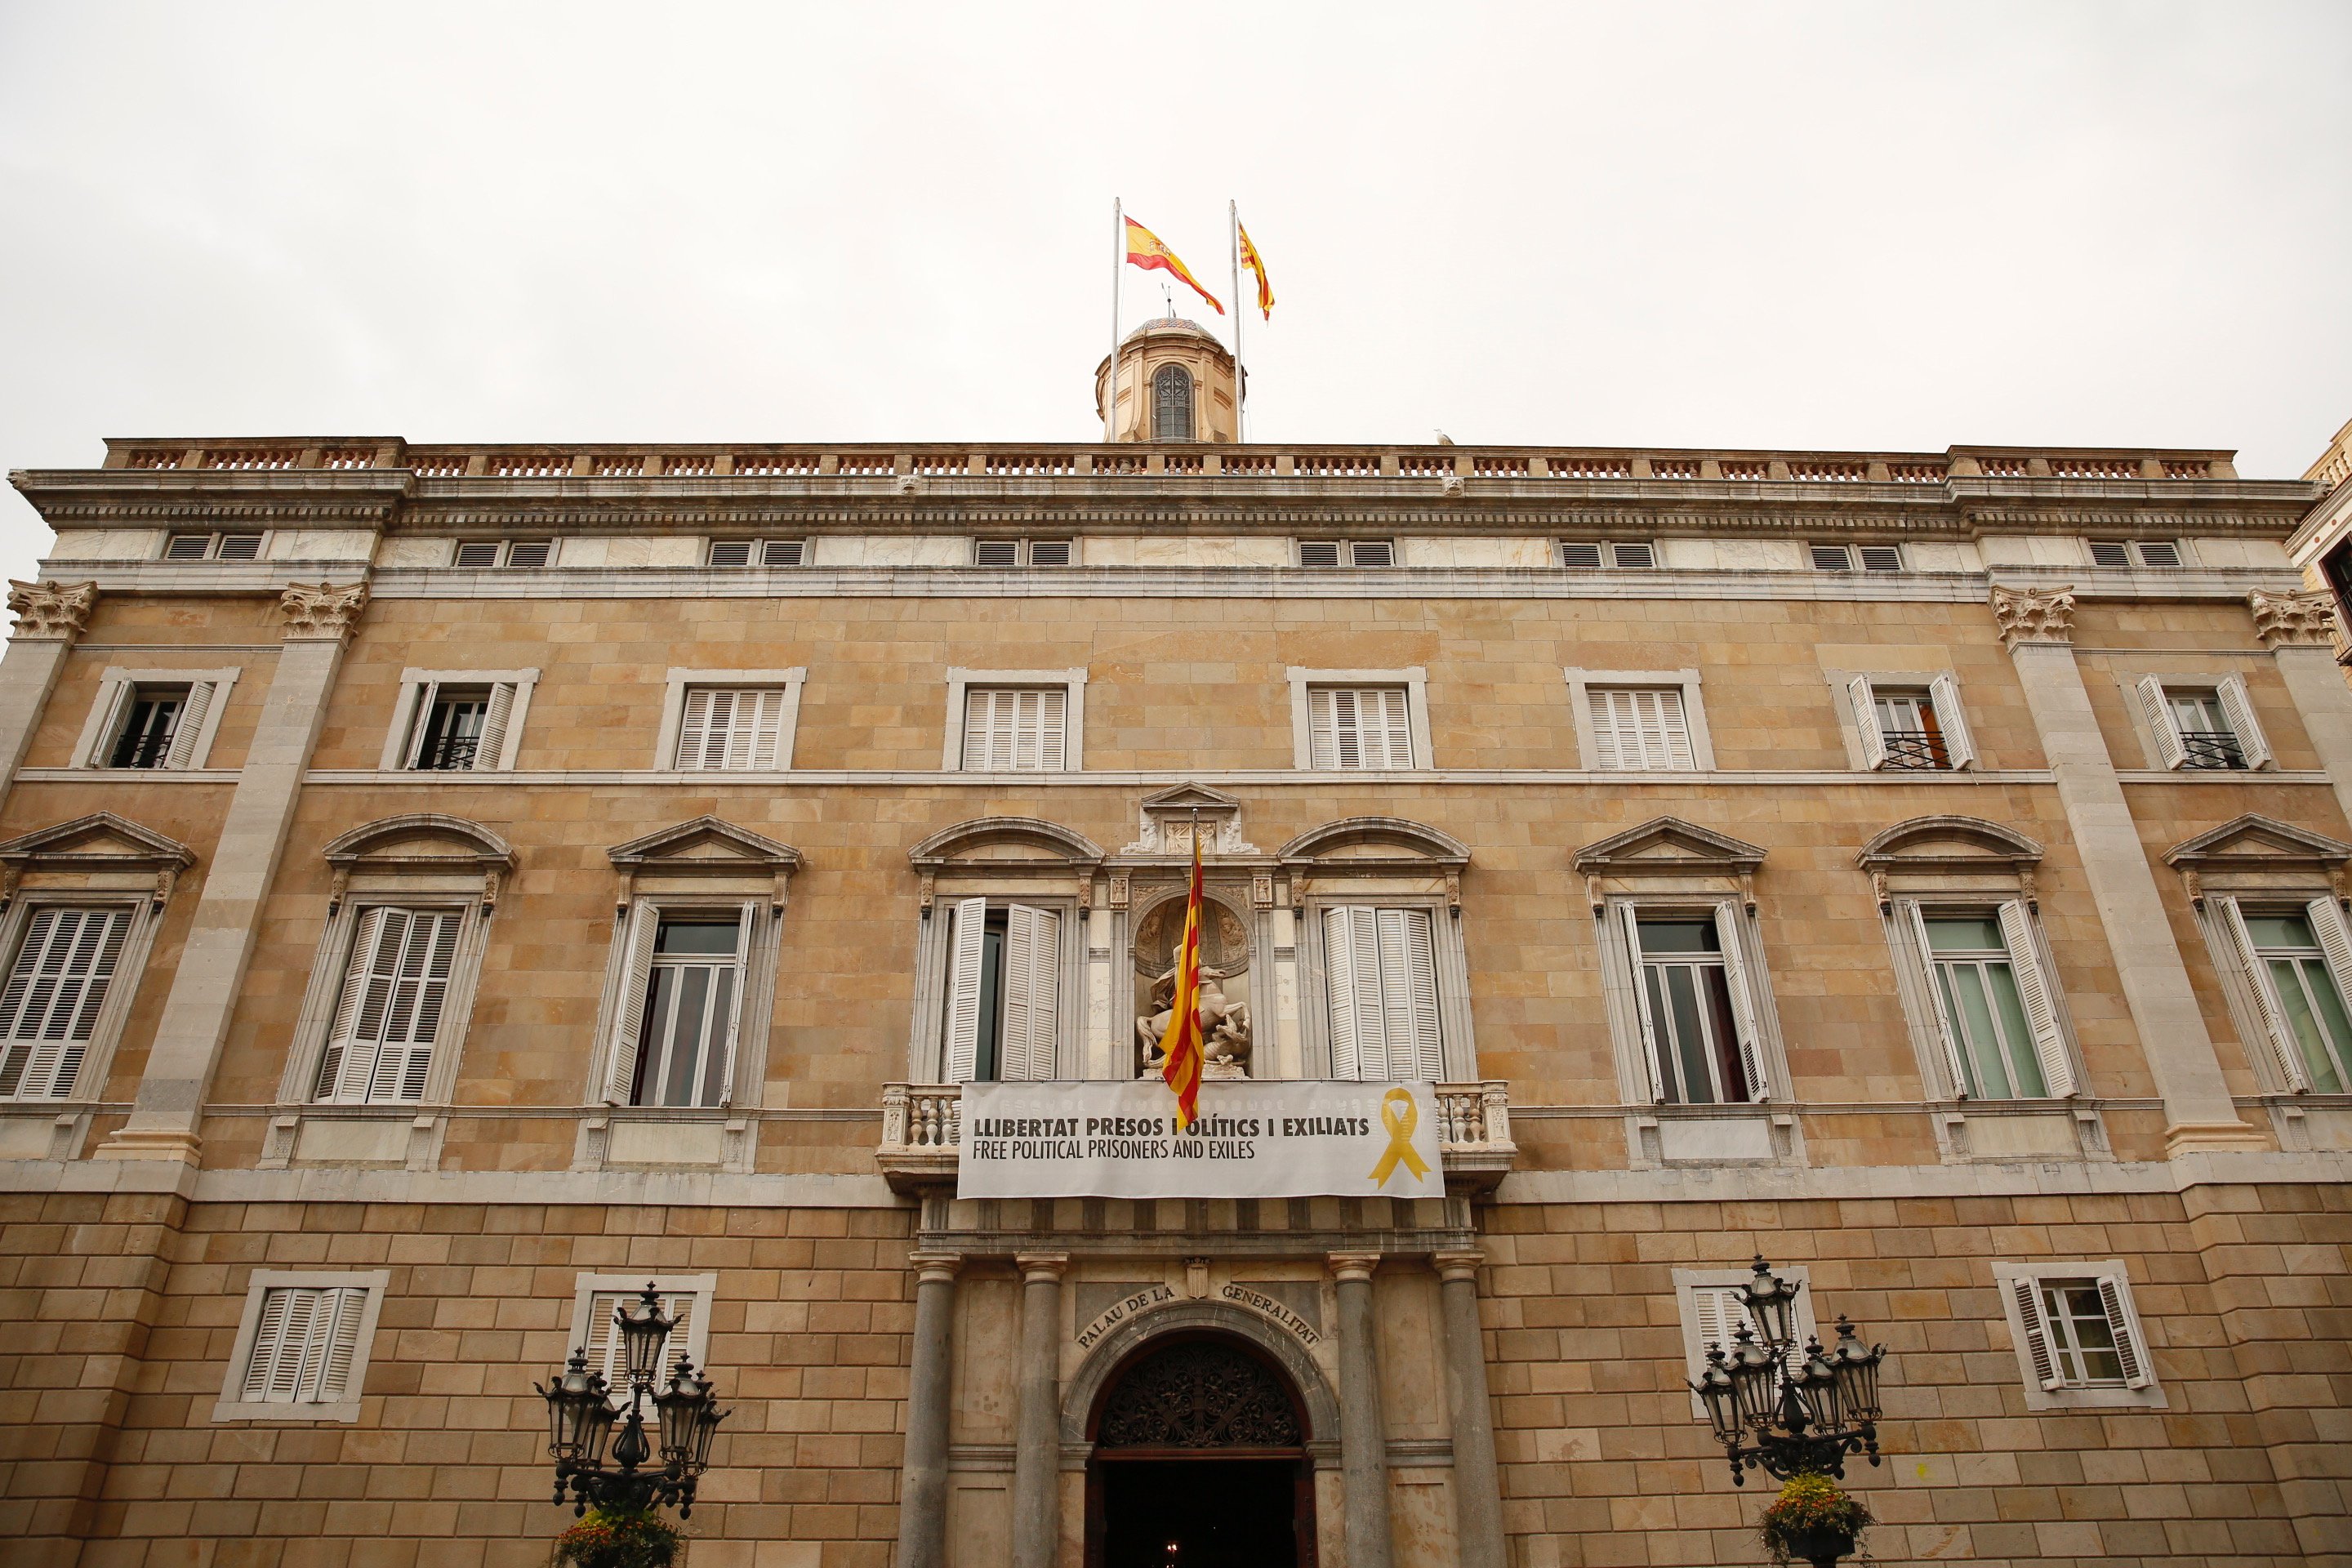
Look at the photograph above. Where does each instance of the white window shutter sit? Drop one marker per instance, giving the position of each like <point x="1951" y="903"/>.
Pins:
<point x="412" y="1020"/>
<point x="1960" y="746"/>
<point x="1629" y="919"/>
<point x="1377" y="1031"/>
<point x="278" y="1307"/>
<point x="1394" y="746"/>
<point x="2328" y="925"/>
<point x="1607" y="755"/>
<point x="1917" y="922"/>
<point x="350" y="1061"/>
<point x="21" y="1020"/>
<point x="764" y="732"/>
<point x="2239" y="710"/>
<point x="342" y="1344"/>
<point x="966" y="936"/>
<point x="1004" y="730"/>
<point x="1405" y="986"/>
<point x="1743" y="1000"/>
<point x="1865" y="719"/>
<point x="2160" y="721"/>
<point x="746" y="923"/>
<point x="2037" y="1336"/>
<point x="1673" y="725"/>
<point x="629" y="1007"/>
<point x="979" y="713"/>
<point x="1322" y="729"/>
<point x="2129" y="1350"/>
<point x="1052" y="707"/>
<point x="420" y="720"/>
<point x="490" y="751"/>
<point x="694" y="729"/>
<point x="2266" y="1002"/>
<point x="1339" y="990"/>
<point x="118" y="696"/>
<point x="1032" y="993"/>
<point x="1716" y="1315"/>
<point x="190" y="728"/>
<point x="1428" y="1042"/>
<point x="2041" y="1003"/>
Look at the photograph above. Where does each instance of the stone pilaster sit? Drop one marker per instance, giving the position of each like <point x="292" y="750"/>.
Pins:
<point x="49" y="619"/>
<point x="1037" y="1452"/>
<point x="1363" y="1435"/>
<point x="923" y="1474"/>
<point x="1478" y="1483"/>
<point x="2037" y="626"/>
<point x="2300" y="631"/>
<point x="170" y="1105"/>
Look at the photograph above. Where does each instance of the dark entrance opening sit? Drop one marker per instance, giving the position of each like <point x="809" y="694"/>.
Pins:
<point x="1200" y="1461"/>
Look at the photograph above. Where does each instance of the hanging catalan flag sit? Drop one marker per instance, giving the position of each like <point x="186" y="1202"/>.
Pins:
<point x="1182" y="1045"/>
<point x="1144" y="249"/>
<point x="1256" y="263"/>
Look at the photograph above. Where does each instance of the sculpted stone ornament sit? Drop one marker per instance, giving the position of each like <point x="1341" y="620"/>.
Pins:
<point x="2034" y="615"/>
<point x="323" y="612"/>
<point x="51" y="610"/>
<point x="2293" y="620"/>
<point x="1225" y="1027"/>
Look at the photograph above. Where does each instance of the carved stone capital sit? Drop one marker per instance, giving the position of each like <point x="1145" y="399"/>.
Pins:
<point x="1348" y="1266"/>
<point x="2033" y="615"/>
<point x="2293" y="620"/>
<point x="1043" y="1266"/>
<point x="53" y="612"/>
<point x="321" y="614"/>
<point x="1460" y="1265"/>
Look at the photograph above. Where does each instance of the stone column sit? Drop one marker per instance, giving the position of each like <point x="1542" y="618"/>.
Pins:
<point x="2300" y="631"/>
<point x="50" y="617"/>
<point x="2037" y="629"/>
<point x="1037" y="1452"/>
<point x="1363" y="1436"/>
<point x="923" y="1475"/>
<point x="1477" y="1484"/>
<point x="195" y="1020"/>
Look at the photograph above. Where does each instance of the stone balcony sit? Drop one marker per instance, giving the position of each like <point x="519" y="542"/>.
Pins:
<point x="921" y="1128"/>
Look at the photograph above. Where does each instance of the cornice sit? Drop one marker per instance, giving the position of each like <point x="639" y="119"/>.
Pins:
<point x="137" y="495"/>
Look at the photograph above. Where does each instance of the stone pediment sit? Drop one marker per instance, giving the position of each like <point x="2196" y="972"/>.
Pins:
<point x="101" y="839"/>
<point x="706" y="843"/>
<point x="1168" y="816"/>
<point x="1667" y="846"/>
<point x="1006" y="842"/>
<point x="1949" y="844"/>
<point x="2255" y="842"/>
<point x="1374" y="842"/>
<point x="422" y="841"/>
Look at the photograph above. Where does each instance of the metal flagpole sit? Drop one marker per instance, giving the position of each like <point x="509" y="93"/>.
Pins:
<point x="1111" y="378"/>
<point x="1240" y="371"/>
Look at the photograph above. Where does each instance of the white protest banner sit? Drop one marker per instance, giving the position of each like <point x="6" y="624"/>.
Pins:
<point x="1250" y="1140"/>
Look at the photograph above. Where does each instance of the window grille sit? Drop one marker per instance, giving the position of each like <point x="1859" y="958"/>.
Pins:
<point x="736" y="728"/>
<point x="1359" y="727"/>
<point x="1014" y="553"/>
<point x="1382" y="972"/>
<point x="1172" y="404"/>
<point x="56" y="989"/>
<point x="1640" y="729"/>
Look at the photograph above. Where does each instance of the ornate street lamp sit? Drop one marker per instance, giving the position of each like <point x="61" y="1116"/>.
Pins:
<point x="1790" y="1420"/>
<point x="581" y="1417"/>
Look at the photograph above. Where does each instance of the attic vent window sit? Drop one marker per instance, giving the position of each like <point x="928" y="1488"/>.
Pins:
<point x="1589" y="554"/>
<point x="2130" y="553"/>
<point x="506" y="553"/>
<point x="1017" y="553"/>
<point x="212" y="547"/>
<point x="758" y="552"/>
<point x="1345" y="552"/>
<point x="1872" y="557"/>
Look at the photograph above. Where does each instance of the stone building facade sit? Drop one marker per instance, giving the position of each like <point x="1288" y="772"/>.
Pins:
<point x="448" y="885"/>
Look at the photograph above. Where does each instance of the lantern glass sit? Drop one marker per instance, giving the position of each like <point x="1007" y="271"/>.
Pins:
<point x="1713" y="1389"/>
<point x="1771" y="1301"/>
<point x="679" y="1406"/>
<point x="569" y="1402"/>
<point x="643" y="1329"/>
<point x="706" y="1429"/>
<point x="1754" y="1373"/>
<point x="1857" y="1374"/>
<point x="597" y="1432"/>
<point x="1819" y="1386"/>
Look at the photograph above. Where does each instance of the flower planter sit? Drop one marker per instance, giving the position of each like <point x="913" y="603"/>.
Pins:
<point x="1820" y="1547"/>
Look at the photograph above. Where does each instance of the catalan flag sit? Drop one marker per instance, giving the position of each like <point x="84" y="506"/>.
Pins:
<point x="1182" y="1045"/>
<point x="1144" y="249"/>
<point x="1256" y="263"/>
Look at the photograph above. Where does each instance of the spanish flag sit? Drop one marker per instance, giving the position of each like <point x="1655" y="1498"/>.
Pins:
<point x="1145" y="250"/>
<point x="1182" y="1045"/>
<point x="1256" y="263"/>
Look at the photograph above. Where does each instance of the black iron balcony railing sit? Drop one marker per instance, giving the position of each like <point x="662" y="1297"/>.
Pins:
<point x="2210" y="749"/>
<point x="142" y="748"/>
<point x="1914" y="748"/>
<point x="448" y="753"/>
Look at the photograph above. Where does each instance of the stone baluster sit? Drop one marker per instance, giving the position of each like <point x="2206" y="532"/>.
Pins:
<point x="1363" y="1436"/>
<point x="1037" y="1451"/>
<point x="923" y="1474"/>
<point x="49" y="619"/>
<point x="1478" y="1483"/>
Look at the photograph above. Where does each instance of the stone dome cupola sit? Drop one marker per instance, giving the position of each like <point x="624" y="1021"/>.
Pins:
<point x="1176" y="383"/>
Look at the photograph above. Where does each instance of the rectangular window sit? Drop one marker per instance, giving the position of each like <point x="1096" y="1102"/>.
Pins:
<point x="506" y="553"/>
<point x="757" y="551"/>
<point x="1345" y="552"/>
<point x="1844" y="557"/>
<point x="458" y="721"/>
<point x="1380" y="971"/>
<point x="686" y="1040"/>
<point x="212" y="547"/>
<point x="1995" y="1015"/>
<point x="1696" y="1014"/>
<point x="1015" y="730"/>
<point x="2156" y="553"/>
<point x="1003" y="994"/>
<point x="1639" y="731"/>
<point x="730" y="729"/>
<point x="2203" y="727"/>
<point x="57" y="986"/>
<point x="2078" y="1332"/>
<point x="2296" y="960"/>
<point x="150" y="720"/>
<point x="304" y="1345"/>
<point x="1714" y="1310"/>
<point x="603" y="1343"/>
<point x="1581" y="554"/>
<point x="1359" y="727"/>
<point x="1911" y="728"/>
<point x="1009" y="553"/>
<point x="389" y="1013"/>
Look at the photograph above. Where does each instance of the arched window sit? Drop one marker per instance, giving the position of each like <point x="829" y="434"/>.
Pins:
<point x="1172" y="404"/>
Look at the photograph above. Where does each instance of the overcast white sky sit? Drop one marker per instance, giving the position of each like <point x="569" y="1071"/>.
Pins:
<point x="1816" y="225"/>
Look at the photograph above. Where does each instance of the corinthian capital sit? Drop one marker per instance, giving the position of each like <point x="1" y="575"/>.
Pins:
<point x="2034" y="615"/>
<point x="321" y="614"/>
<point x="54" y="611"/>
<point x="2293" y="620"/>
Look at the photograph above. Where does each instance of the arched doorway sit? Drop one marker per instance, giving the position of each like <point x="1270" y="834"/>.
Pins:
<point x="1200" y="1461"/>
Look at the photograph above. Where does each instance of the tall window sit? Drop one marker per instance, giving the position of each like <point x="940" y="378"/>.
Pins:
<point x="734" y="730"/>
<point x="1698" y="1015"/>
<point x="1004" y="1000"/>
<point x="389" y="1014"/>
<point x="1381" y="974"/>
<point x="2298" y="987"/>
<point x="686" y="1033"/>
<point x="1015" y="730"/>
<point x="1359" y="727"/>
<point x="1639" y="731"/>
<point x="1172" y="404"/>
<point x="1976" y="986"/>
<point x="56" y="989"/>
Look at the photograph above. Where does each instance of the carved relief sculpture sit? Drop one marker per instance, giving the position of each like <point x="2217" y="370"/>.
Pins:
<point x="2033" y="615"/>
<point x="1225" y="1027"/>
<point x="322" y="613"/>
<point x="56" y="611"/>
<point x="2293" y="620"/>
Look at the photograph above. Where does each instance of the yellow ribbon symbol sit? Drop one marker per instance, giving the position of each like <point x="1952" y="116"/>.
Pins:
<point x="1399" y="1116"/>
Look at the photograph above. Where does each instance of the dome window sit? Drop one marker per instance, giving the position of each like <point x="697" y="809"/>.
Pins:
<point x="1172" y="404"/>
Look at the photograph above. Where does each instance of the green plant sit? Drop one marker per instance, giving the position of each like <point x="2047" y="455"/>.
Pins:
<point x="1809" y="1509"/>
<point x="605" y="1540"/>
